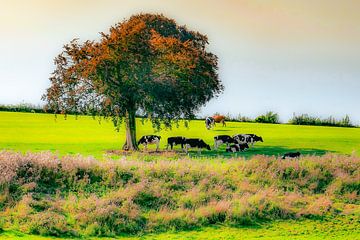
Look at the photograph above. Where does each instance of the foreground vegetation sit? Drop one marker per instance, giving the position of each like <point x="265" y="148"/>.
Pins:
<point x="77" y="196"/>
<point x="43" y="132"/>
<point x="339" y="228"/>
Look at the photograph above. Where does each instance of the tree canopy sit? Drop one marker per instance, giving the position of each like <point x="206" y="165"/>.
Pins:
<point x="147" y="65"/>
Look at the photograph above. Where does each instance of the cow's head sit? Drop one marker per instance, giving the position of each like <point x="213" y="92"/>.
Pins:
<point x="208" y="147"/>
<point x="205" y="145"/>
<point x="236" y="139"/>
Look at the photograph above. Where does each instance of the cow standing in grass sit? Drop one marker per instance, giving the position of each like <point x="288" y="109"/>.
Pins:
<point x="247" y="138"/>
<point x="223" y="139"/>
<point x="171" y="141"/>
<point x="150" y="139"/>
<point x="209" y="123"/>
<point x="195" y="143"/>
<point x="219" y="119"/>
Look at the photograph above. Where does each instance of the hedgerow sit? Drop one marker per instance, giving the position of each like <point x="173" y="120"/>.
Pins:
<point x="45" y="194"/>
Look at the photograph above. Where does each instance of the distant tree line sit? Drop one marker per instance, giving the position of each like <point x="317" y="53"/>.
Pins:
<point x="303" y="119"/>
<point x="22" y="107"/>
<point x="268" y="117"/>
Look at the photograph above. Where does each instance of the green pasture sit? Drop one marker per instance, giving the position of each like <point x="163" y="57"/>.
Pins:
<point x="339" y="228"/>
<point x="84" y="135"/>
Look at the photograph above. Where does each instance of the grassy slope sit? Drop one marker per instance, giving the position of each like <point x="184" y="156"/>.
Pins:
<point x="36" y="132"/>
<point x="340" y="229"/>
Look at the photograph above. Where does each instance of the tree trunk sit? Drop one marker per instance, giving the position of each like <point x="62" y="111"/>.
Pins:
<point x="130" y="124"/>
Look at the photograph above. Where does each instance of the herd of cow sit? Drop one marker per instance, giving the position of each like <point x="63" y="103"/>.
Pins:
<point x="236" y="143"/>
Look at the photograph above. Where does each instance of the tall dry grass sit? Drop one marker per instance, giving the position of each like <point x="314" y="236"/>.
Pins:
<point x="42" y="193"/>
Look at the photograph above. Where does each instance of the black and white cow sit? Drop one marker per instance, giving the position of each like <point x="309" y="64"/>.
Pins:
<point x="240" y="138"/>
<point x="171" y="141"/>
<point x="223" y="139"/>
<point x="209" y="122"/>
<point x="150" y="139"/>
<point x="247" y="138"/>
<point x="291" y="155"/>
<point x="195" y="143"/>
<point x="237" y="147"/>
<point x="254" y="138"/>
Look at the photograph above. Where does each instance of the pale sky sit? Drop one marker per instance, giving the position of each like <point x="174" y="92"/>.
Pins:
<point x="285" y="56"/>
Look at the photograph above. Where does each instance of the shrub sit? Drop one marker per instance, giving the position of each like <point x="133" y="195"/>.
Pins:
<point x="269" y="117"/>
<point x="305" y="119"/>
<point x="238" y="118"/>
<point x="50" y="223"/>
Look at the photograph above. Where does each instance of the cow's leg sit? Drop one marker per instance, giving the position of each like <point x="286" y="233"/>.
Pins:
<point x="145" y="146"/>
<point x="207" y="124"/>
<point x="157" y="145"/>
<point x="186" y="148"/>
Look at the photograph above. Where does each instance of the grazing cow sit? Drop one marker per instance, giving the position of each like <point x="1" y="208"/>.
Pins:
<point x="291" y="155"/>
<point x="254" y="138"/>
<point x="240" y="138"/>
<point x="195" y="143"/>
<point x="209" y="123"/>
<point x="150" y="139"/>
<point x="219" y="119"/>
<point x="221" y="139"/>
<point x="247" y="138"/>
<point x="237" y="147"/>
<point x="171" y="141"/>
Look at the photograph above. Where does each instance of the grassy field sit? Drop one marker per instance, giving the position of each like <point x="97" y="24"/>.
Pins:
<point x="38" y="132"/>
<point x="262" y="184"/>
<point x="341" y="228"/>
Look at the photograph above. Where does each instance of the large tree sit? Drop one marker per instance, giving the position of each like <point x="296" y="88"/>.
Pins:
<point x="147" y="65"/>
